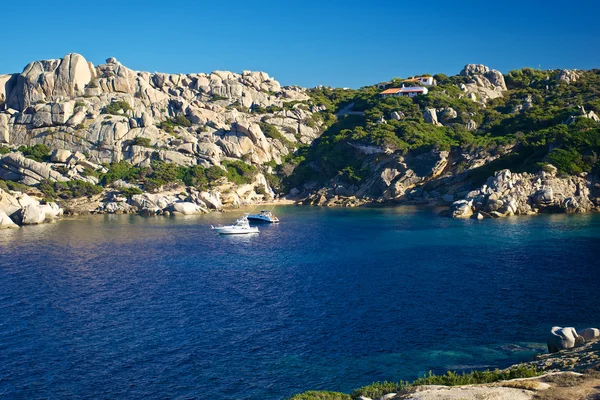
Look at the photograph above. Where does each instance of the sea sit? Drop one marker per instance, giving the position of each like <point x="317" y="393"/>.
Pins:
<point x="121" y="306"/>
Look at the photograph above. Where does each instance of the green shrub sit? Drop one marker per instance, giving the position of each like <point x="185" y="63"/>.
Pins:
<point x="68" y="190"/>
<point x="119" y="107"/>
<point x="321" y="395"/>
<point x="38" y="152"/>
<point x="4" y="150"/>
<point x="450" y="378"/>
<point x="121" y="170"/>
<point x="141" y="141"/>
<point x="272" y="132"/>
<point x="170" y="124"/>
<point x="130" y="191"/>
<point x="216" y="97"/>
<point x="194" y="176"/>
<point x="239" y="172"/>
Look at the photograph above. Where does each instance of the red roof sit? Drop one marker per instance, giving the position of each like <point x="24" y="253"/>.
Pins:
<point x="391" y="91"/>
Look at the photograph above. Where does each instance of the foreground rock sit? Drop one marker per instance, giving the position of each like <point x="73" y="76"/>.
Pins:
<point x="20" y="209"/>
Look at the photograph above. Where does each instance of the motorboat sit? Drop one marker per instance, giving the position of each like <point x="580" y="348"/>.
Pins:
<point x="241" y="227"/>
<point x="264" y="216"/>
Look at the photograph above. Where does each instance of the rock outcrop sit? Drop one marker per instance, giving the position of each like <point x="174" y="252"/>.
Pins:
<point x="485" y="83"/>
<point x="563" y="338"/>
<point x="20" y="209"/>
<point x="63" y="103"/>
<point x="508" y="193"/>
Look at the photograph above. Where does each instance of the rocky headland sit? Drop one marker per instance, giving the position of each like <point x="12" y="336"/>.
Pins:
<point x="77" y="137"/>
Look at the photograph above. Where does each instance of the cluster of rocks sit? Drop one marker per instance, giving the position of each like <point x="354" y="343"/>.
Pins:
<point x="148" y="204"/>
<point x="507" y="194"/>
<point x="583" y="114"/>
<point x="66" y="166"/>
<point x="567" y="338"/>
<point x="484" y="83"/>
<point x="18" y="209"/>
<point x="568" y="76"/>
<point x="391" y="178"/>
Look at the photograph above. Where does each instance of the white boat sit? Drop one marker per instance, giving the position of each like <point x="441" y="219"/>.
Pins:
<point x="264" y="216"/>
<point x="241" y="227"/>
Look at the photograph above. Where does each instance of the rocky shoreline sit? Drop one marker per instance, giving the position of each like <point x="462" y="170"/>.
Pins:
<point x="570" y="372"/>
<point x="504" y="194"/>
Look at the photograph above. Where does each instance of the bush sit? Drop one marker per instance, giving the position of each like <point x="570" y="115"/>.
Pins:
<point x="239" y="172"/>
<point x="130" y="191"/>
<point x="273" y="133"/>
<point x="141" y="141"/>
<point x="68" y="190"/>
<point x="117" y="108"/>
<point x="121" y="170"/>
<point x="379" y="389"/>
<point x="170" y="124"/>
<point x="4" y="150"/>
<point x="194" y="176"/>
<point x="38" y="152"/>
<point x="321" y="395"/>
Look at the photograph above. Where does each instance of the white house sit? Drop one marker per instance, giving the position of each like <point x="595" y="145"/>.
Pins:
<point x="424" y="80"/>
<point x="406" y="91"/>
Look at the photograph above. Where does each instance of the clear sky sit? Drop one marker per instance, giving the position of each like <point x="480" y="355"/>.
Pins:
<point x="328" y="42"/>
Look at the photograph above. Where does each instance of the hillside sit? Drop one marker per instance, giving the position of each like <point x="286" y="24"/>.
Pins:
<point x="127" y="141"/>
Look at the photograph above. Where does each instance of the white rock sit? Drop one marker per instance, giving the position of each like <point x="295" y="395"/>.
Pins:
<point x="590" y="334"/>
<point x="6" y="222"/>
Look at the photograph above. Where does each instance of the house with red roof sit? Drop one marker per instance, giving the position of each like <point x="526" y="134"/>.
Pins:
<point x="406" y="91"/>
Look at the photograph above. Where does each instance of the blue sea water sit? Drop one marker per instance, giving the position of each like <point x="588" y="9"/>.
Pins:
<point x="131" y="307"/>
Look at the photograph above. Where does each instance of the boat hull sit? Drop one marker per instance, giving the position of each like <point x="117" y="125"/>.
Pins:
<point x="234" y="231"/>
<point x="262" y="219"/>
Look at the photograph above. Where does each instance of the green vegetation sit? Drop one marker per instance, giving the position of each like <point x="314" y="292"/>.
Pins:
<point x="537" y="133"/>
<point x="378" y="389"/>
<point x="16" y="186"/>
<point x="170" y="124"/>
<point x="239" y="172"/>
<point x="216" y="97"/>
<point x="141" y="141"/>
<point x="321" y="395"/>
<point x="130" y="191"/>
<point x="38" y="152"/>
<point x="121" y="170"/>
<point x="4" y="150"/>
<point x="272" y="132"/>
<point x="117" y="108"/>
<point x="68" y="190"/>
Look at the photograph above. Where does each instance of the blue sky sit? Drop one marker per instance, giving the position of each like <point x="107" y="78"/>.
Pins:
<point x="339" y="43"/>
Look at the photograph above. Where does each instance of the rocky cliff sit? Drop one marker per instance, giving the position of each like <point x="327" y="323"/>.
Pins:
<point x="225" y="139"/>
<point x="91" y="117"/>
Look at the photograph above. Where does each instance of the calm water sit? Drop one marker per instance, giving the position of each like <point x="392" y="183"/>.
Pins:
<point x="130" y="307"/>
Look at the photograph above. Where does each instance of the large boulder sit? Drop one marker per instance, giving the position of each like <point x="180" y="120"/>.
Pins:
<point x="32" y="214"/>
<point x="461" y="209"/>
<point x="211" y="199"/>
<point x="187" y="208"/>
<point x="589" y="334"/>
<point x="49" y="80"/>
<point x="430" y="116"/>
<point x="6" y="222"/>
<point x="5" y="128"/>
<point x="563" y="338"/>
